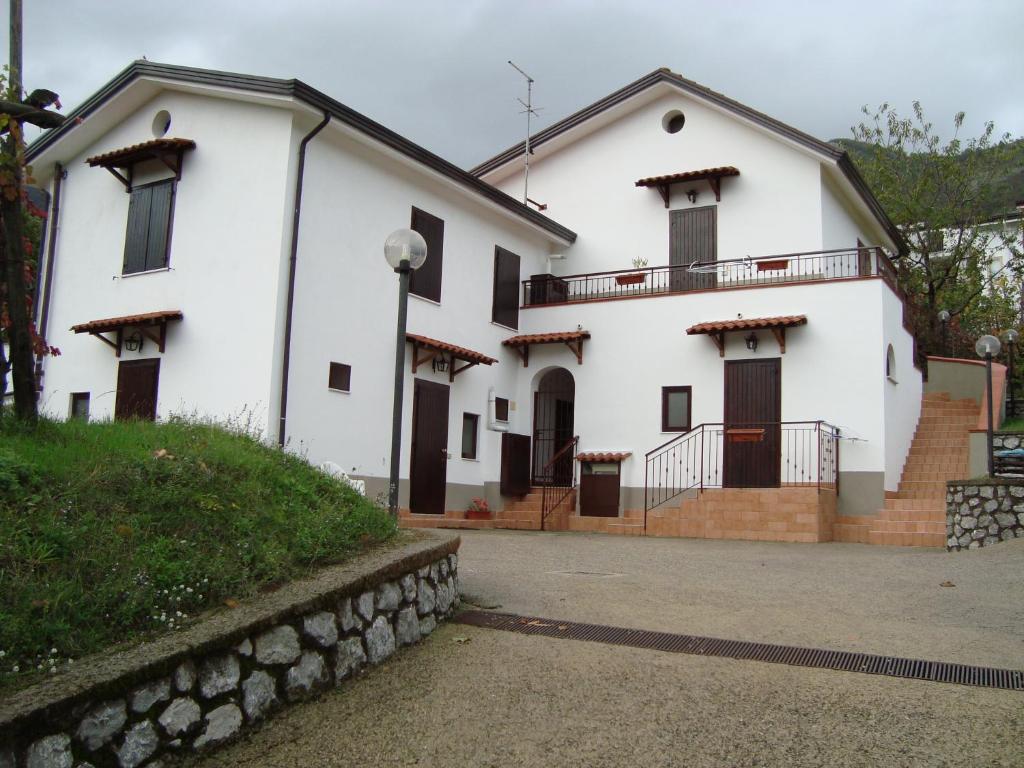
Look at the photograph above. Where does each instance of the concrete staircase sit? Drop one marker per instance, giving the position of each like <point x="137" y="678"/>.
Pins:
<point x="524" y="514"/>
<point x="915" y="515"/>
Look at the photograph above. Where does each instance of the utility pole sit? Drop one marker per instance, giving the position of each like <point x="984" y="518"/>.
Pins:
<point x="18" y="332"/>
<point x="15" y="111"/>
<point x="530" y="112"/>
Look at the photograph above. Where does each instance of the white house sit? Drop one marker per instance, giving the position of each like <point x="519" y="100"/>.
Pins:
<point x="215" y="250"/>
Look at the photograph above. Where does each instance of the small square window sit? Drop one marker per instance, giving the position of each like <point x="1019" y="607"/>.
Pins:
<point x="80" y="405"/>
<point x="500" y="409"/>
<point x="340" y="377"/>
<point x="469" y="435"/>
<point x="675" y="409"/>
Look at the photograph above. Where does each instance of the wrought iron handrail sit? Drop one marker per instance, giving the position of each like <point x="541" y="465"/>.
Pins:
<point x="552" y="495"/>
<point x="808" y="456"/>
<point x="803" y="266"/>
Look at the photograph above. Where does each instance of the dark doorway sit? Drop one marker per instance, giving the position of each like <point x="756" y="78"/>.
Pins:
<point x="692" y="237"/>
<point x="753" y="412"/>
<point x="553" y="416"/>
<point x="137" y="382"/>
<point x="428" y="469"/>
<point x="515" y="464"/>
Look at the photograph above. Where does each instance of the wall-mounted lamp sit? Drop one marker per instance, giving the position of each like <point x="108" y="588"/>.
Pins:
<point x="692" y="195"/>
<point x="752" y="342"/>
<point x="439" y="364"/>
<point x="134" y="342"/>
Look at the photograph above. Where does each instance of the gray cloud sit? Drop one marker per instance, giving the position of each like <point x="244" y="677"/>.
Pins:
<point x="436" y="71"/>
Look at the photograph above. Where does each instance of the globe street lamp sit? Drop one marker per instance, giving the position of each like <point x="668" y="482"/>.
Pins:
<point x="944" y="320"/>
<point x="404" y="250"/>
<point x="988" y="347"/>
<point x="1010" y="337"/>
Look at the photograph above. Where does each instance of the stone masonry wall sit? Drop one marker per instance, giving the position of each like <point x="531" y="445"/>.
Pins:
<point x="978" y="515"/>
<point x="206" y="697"/>
<point x="1007" y="441"/>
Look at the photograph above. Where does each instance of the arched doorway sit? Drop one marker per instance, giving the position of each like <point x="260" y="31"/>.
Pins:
<point x="553" y="406"/>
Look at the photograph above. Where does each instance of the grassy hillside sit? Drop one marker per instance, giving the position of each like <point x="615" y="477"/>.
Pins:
<point x="112" y="532"/>
<point x="1001" y="197"/>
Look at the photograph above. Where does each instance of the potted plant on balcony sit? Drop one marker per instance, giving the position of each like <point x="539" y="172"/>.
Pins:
<point x="633" y="278"/>
<point x="478" y="510"/>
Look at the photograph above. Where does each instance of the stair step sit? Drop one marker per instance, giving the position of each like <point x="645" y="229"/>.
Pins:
<point x="901" y="539"/>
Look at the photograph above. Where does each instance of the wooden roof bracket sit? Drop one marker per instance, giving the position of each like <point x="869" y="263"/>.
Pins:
<point x="577" y="349"/>
<point x="178" y="158"/>
<point x="453" y="371"/>
<point x="115" y="344"/>
<point x="780" y="336"/>
<point x="718" y="339"/>
<point x="715" y="183"/>
<point x="524" y="353"/>
<point x="417" y="361"/>
<point x="663" y="189"/>
<point x="126" y="181"/>
<point x="159" y="338"/>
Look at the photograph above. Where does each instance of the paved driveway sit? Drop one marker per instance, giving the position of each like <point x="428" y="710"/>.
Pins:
<point x="476" y="697"/>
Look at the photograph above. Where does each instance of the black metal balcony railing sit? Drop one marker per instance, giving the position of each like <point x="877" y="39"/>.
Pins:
<point x="797" y="453"/>
<point x="839" y="264"/>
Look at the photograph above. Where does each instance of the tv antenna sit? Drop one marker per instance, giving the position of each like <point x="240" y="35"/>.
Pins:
<point x="530" y="111"/>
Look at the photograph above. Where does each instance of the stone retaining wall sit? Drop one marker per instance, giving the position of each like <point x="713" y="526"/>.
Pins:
<point x="1007" y="441"/>
<point x="981" y="514"/>
<point x="203" y="686"/>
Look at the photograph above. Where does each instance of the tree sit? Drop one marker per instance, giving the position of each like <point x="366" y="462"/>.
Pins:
<point x="16" y="270"/>
<point x="940" y="196"/>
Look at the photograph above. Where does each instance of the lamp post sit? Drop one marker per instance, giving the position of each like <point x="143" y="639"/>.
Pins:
<point x="988" y="347"/>
<point x="1010" y="337"/>
<point x="404" y="250"/>
<point x="944" y="320"/>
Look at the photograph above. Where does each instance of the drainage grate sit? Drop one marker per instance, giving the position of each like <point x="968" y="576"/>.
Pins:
<point x="821" y="658"/>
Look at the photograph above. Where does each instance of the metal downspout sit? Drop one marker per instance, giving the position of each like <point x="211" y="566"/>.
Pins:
<point x="51" y="246"/>
<point x="286" y="354"/>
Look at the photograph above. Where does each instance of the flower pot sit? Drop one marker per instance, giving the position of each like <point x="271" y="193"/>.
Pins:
<point x="632" y="279"/>
<point x="477" y="514"/>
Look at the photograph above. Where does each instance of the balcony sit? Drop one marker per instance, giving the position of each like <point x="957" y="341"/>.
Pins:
<point x="761" y="272"/>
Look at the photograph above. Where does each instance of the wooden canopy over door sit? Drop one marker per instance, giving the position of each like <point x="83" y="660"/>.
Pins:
<point x="429" y="462"/>
<point x="692" y="238"/>
<point x="753" y="431"/>
<point x="137" y="382"/>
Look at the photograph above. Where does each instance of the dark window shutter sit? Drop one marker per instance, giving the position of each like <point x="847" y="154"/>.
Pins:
<point x="159" y="224"/>
<point x="426" y="281"/>
<point x="149" y="227"/>
<point x="515" y="465"/>
<point x="135" y="241"/>
<point x="339" y="377"/>
<point x="505" y="306"/>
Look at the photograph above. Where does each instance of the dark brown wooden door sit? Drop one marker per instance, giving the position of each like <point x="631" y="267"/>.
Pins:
<point x="515" y="464"/>
<point x="429" y="462"/>
<point x="599" y="494"/>
<point x="753" y="429"/>
<point x="137" y="382"/>
<point x="692" y="236"/>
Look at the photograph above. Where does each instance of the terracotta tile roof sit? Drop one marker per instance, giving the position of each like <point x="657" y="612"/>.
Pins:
<point x="122" y="158"/>
<point x="545" y="338"/>
<point x="673" y="178"/>
<point x="113" y="323"/>
<point x="461" y="353"/>
<point x="748" y="324"/>
<point x="604" y="456"/>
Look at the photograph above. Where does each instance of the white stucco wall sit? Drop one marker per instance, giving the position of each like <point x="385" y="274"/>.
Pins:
<point x="773" y="207"/>
<point x="841" y="225"/>
<point x="225" y="251"/>
<point x="639" y="346"/>
<point x="346" y="305"/>
<point x="902" y="391"/>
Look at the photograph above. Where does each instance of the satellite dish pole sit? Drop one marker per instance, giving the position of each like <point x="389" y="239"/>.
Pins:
<point x="530" y="111"/>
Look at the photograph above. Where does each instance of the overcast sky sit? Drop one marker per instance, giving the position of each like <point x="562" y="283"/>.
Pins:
<point x="436" y="72"/>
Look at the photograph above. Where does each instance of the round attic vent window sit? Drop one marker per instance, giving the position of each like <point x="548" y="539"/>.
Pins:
<point x="161" y="123"/>
<point x="673" y="121"/>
